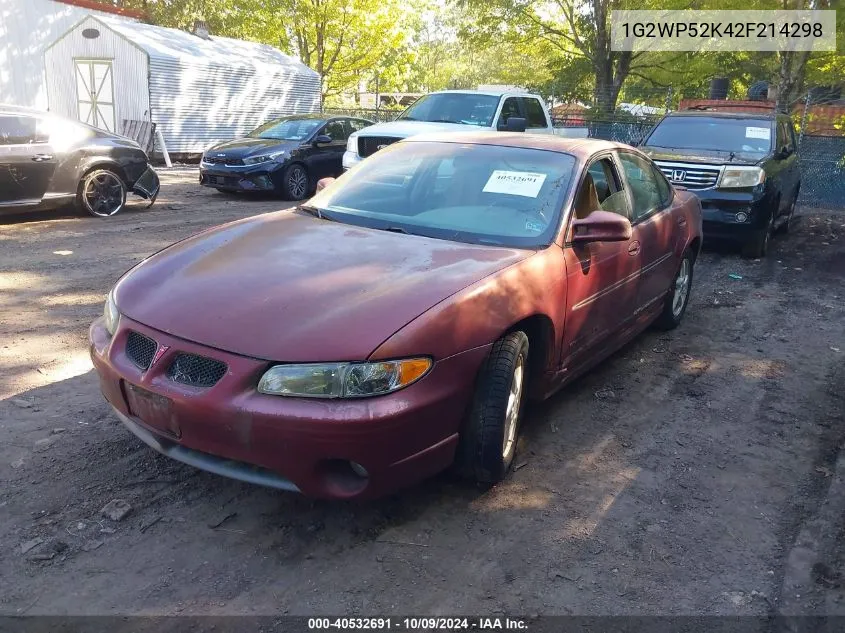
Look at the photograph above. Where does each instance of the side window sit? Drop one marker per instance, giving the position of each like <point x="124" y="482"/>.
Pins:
<point x="601" y="190"/>
<point x="18" y="130"/>
<point x="663" y="187"/>
<point x="336" y="130"/>
<point x="641" y="179"/>
<point x="534" y="113"/>
<point x="781" y="136"/>
<point x="358" y="124"/>
<point x="509" y="108"/>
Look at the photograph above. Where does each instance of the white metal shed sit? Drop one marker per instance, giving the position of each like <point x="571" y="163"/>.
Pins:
<point x="197" y="91"/>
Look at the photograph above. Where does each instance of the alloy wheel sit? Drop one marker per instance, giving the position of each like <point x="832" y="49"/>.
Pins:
<point x="103" y="194"/>
<point x="297" y="182"/>
<point x="513" y="406"/>
<point x="682" y="287"/>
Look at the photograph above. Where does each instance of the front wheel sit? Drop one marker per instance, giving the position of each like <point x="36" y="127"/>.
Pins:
<point x="295" y="182"/>
<point x="102" y="193"/>
<point x="488" y="441"/>
<point x="678" y="296"/>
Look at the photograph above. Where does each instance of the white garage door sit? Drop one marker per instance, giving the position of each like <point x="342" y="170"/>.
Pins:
<point x="95" y="92"/>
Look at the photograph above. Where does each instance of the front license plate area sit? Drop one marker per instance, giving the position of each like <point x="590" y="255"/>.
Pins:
<point x="152" y="409"/>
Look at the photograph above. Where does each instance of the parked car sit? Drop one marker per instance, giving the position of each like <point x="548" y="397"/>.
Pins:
<point x="287" y="156"/>
<point x="47" y="161"/>
<point x="400" y="318"/>
<point x="743" y="166"/>
<point x="457" y="111"/>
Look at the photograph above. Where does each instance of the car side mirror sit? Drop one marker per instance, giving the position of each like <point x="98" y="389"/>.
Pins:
<point x="513" y="124"/>
<point x="323" y="183"/>
<point x="601" y="226"/>
<point x="322" y="139"/>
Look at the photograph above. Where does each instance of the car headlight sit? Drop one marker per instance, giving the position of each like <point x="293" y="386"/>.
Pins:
<point x="263" y="158"/>
<point x="111" y="316"/>
<point x="352" y="144"/>
<point x="342" y="380"/>
<point x="742" y="177"/>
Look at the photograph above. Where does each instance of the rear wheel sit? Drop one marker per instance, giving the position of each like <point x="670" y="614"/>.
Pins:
<point x="295" y="182"/>
<point x="678" y="296"/>
<point x="102" y="193"/>
<point x="489" y="439"/>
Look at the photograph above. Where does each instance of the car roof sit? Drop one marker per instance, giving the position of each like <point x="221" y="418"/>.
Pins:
<point x="490" y="93"/>
<point x="721" y="114"/>
<point x="16" y="109"/>
<point x="579" y="147"/>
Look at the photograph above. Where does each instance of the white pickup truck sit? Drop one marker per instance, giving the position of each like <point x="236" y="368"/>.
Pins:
<point x="451" y="111"/>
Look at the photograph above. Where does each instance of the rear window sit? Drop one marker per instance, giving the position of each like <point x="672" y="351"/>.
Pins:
<point x="718" y="134"/>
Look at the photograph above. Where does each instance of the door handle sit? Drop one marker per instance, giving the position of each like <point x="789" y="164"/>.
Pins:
<point x="633" y="248"/>
<point x="40" y="158"/>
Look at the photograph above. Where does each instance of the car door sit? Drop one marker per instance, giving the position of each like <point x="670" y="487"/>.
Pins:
<point x="793" y="169"/>
<point x="326" y="158"/>
<point x="656" y="229"/>
<point x="510" y="108"/>
<point x="778" y="169"/>
<point x="27" y="162"/>
<point x="535" y="115"/>
<point x="601" y="276"/>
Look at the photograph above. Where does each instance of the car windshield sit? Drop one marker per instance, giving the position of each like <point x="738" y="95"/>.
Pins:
<point x="454" y="107"/>
<point x="287" y="129"/>
<point x="479" y="194"/>
<point x="717" y="134"/>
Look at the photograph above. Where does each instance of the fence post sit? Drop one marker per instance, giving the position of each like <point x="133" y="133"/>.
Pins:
<point x="668" y="102"/>
<point x="804" y="118"/>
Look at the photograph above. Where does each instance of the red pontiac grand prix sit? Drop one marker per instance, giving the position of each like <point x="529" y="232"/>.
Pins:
<point x="397" y="322"/>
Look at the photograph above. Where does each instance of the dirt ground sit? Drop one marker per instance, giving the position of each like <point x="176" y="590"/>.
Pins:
<point x="673" y="479"/>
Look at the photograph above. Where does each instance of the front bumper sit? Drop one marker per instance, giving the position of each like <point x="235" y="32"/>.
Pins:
<point x="148" y="185"/>
<point x="350" y="159"/>
<point x="289" y="443"/>
<point x="720" y="208"/>
<point x="249" y="178"/>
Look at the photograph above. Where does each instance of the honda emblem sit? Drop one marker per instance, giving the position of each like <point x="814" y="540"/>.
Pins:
<point x="679" y="175"/>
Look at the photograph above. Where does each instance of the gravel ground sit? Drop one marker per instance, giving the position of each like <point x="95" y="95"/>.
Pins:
<point x="673" y="479"/>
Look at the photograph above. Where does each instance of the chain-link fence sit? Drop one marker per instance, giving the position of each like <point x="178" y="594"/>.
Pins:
<point x="819" y="117"/>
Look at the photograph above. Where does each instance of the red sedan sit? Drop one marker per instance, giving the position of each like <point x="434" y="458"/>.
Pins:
<point x="397" y="322"/>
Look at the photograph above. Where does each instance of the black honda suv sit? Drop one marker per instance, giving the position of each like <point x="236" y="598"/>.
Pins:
<point x="743" y="167"/>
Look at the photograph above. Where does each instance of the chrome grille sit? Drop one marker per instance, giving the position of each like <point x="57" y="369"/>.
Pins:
<point x="214" y="160"/>
<point x="197" y="371"/>
<point x="690" y="175"/>
<point x="140" y="350"/>
<point x="368" y="145"/>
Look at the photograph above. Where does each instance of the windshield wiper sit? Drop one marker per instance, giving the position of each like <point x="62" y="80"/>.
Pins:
<point x="394" y="229"/>
<point x="317" y="213"/>
<point x="442" y="121"/>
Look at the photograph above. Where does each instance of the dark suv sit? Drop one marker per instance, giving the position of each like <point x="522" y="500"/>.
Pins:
<point x="743" y="167"/>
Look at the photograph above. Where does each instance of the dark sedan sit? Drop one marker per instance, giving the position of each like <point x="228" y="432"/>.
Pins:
<point x="287" y="156"/>
<point x="47" y="161"/>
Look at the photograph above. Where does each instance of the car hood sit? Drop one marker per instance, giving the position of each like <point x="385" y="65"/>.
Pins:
<point x="708" y="157"/>
<point x="290" y="287"/>
<point x="245" y="147"/>
<point x="404" y="129"/>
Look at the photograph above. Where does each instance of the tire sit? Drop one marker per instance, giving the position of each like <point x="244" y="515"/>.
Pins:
<point x="677" y="299"/>
<point x="295" y="182"/>
<point x="101" y="193"/>
<point x="787" y="225"/>
<point x="490" y="434"/>
<point x="758" y="245"/>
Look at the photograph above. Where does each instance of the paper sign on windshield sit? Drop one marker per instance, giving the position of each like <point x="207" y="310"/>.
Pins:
<point x="758" y="132"/>
<point x="515" y="183"/>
